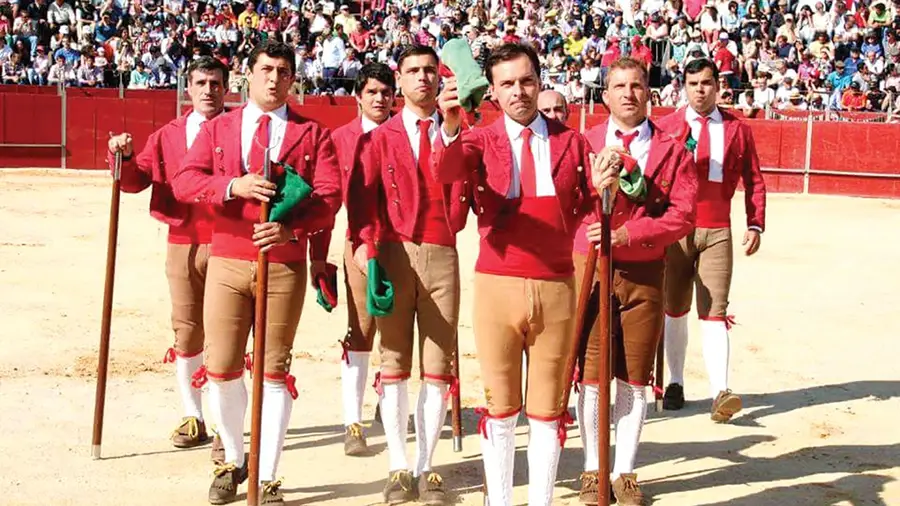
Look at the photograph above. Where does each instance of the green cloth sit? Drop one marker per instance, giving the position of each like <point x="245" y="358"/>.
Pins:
<point x="380" y="291"/>
<point x="291" y="190"/>
<point x="631" y="181"/>
<point x="323" y="300"/>
<point x="470" y="81"/>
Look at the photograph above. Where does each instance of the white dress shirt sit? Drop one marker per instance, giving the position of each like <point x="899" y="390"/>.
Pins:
<point x="410" y="124"/>
<point x="540" y="150"/>
<point x="640" y="146"/>
<point x="192" y="127"/>
<point x="249" y="123"/>
<point x="369" y="125"/>
<point x="716" y="140"/>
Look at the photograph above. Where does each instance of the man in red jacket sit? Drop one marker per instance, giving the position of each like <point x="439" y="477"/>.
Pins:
<point x="531" y="188"/>
<point x="190" y="228"/>
<point x="402" y="208"/>
<point x="725" y="154"/>
<point x="375" y="87"/>
<point x="644" y="222"/>
<point x="223" y="169"/>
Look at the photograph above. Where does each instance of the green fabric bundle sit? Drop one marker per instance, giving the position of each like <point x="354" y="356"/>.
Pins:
<point x="456" y="56"/>
<point x="380" y="290"/>
<point x="631" y="180"/>
<point x="291" y="190"/>
<point x="326" y="288"/>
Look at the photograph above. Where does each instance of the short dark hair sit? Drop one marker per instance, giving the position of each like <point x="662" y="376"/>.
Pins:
<point x="628" y="63"/>
<point x="699" y="65"/>
<point x="377" y="71"/>
<point x="273" y="49"/>
<point x="207" y="64"/>
<point x="508" y="52"/>
<point x="416" y="50"/>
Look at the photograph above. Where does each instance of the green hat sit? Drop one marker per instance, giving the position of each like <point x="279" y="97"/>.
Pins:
<point x="380" y="291"/>
<point x="291" y="189"/>
<point x="457" y="60"/>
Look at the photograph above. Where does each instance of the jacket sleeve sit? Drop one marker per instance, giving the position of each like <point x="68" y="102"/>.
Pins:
<point x="450" y="162"/>
<point x="680" y="215"/>
<point x="196" y="180"/>
<point x="316" y="215"/>
<point x="365" y="197"/>
<point x="319" y="244"/>
<point x="137" y="171"/>
<point x="591" y="200"/>
<point x="754" y="184"/>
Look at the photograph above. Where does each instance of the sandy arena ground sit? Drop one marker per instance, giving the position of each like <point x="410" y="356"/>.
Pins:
<point x="814" y="356"/>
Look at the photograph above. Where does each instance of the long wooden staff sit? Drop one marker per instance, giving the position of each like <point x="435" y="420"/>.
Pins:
<point x="106" y="320"/>
<point x="455" y="405"/>
<point x="605" y="359"/>
<point x="658" y="377"/>
<point x="259" y="352"/>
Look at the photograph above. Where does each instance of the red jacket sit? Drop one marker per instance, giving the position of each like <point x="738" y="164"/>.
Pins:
<point x="387" y="197"/>
<point x="154" y="166"/>
<point x="484" y="157"/>
<point x="667" y="214"/>
<point x="741" y="163"/>
<point x="347" y="144"/>
<point x="215" y="159"/>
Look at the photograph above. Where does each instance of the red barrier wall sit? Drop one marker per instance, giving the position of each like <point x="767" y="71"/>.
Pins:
<point x="32" y="115"/>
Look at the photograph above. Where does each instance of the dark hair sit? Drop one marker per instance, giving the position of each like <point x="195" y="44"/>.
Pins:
<point x="416" y="50"/>
<point x="207" y="64"/>
<point x="508" y="52"/>
<point x="273" y="49"/>
<point x="699" y="65"/>
<point x="628" y="63"/>
<point x="377" y="71"/>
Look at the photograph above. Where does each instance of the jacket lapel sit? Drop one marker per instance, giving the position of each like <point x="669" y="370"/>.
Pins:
<point x="501" y="180"/>
<point x="294" y="132"/>
<point x="659" y="151"/>
<point x="560" y="138"/>
<point x="402" y="139"/>
<point x="731" y="129"/>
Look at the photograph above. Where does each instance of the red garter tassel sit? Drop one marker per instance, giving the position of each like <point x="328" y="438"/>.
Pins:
<point x="248" y="361"/>
<point x="482" y="422"/>
<point x="657" y="391"/>
<point x="199" y="378"/>
<point x="562" y="428"/>
<point x="169" y="357"/>
<point x="729" y="321"/>
<point x="576" y="373"/>
<point x="345" y="354"/>
<point x="291" y="383"/>
<point x="454" y="388"/>
<point x="377" y="384"/>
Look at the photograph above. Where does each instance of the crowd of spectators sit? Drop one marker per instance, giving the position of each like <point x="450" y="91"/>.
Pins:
<point x="771" y="54"/>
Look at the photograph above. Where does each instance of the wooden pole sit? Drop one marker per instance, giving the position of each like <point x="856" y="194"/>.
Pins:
<point x="106" y="320"/>
<point x="259" y="354"/>
<point x="658" y="376"/>
<point x="604" y="272"/>
<point x="456" y="405"/>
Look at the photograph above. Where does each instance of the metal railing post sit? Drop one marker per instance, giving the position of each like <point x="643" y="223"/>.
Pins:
<point x="807" y="159"/>
<point x="63" y="113"/>
<point x="179" y="93"/>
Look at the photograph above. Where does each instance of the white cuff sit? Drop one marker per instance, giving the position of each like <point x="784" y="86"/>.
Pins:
<point x="754" y="227"/>
<point x="447" y="140"/>
<point x="228" y="195"/>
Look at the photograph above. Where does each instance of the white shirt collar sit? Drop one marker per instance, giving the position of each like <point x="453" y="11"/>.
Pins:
<point x="514" y="129"/>
<point x="368" y="125"/>
<point x="252" y="113"/>
<point x="195" y="119"/>
<point x="690" y="115"/>
<point x="410" y="120"/>
<point x="643" y="129"/>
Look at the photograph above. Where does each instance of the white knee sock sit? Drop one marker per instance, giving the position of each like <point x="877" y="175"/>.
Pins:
<point x="276" y="415"/>
<point x="543" y="460"/>
<point x="190" y="396"/>
<point x="228" y="404"/>
<point x="628" y="415"/>
<point x="676" y="340"/>
<point x="353" y="384"/>
<point x="498" y="452"/>
<point x="431" y="411"/>
<point x="715" y="354"/>
<point x="588" y="419"/>
<point x="395" y="418"/>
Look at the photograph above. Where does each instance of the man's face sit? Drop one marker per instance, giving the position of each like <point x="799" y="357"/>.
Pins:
<point x="376" y="100"/>
<point x="553" y="106"/>
<point x="702" y="90"/>
<point x="627" y="94"/>
<point x="270" y="81"/>
<point x="207" y="91"/>
<point x="516" y="86"/>
<point x="418" y="79"/>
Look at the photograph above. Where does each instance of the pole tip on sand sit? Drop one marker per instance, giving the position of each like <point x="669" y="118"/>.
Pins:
<point x="457" y="444"/>
<point x="95" y="452"/>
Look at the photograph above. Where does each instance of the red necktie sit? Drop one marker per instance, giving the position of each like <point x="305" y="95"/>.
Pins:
<point x="702" y="157"/>
<point x="527" y="175"/>
<point x="424" y="148"/>
<point x="257" y="157"/>
<point x="627" y="139"/>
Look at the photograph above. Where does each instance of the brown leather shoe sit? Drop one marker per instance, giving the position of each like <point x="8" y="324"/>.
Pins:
<point x="191" y="433"/>
<point x="270" y="493"/>
<point x="355" y="441"/>
<point x="399" y="487"/>
<point x="431" y="489"/>
<point x="590" y="493"/>
<point x="627" y="491"/>
<point x="725" y="406"/>
<point x="223" y="489"/>
<point x="217" y="452"/>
